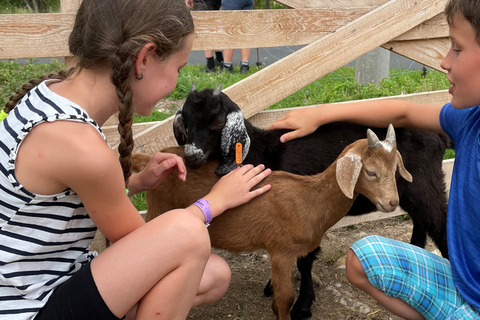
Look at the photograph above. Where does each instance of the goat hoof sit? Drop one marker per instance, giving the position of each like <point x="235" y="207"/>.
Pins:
<point x="268" y="291"/>
<point x="300" y="313"/>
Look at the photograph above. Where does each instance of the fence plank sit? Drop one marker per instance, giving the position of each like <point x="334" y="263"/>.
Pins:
<point x="155" y="136"/>
<point x="35" y="35"/>
<point x="428" y="52"/>
<point x="331" y="4"/>
<point x="46" y="35"/>
<point x="268" y="28"/>
<point x="327" y="54"/>
<point x="70" y="6"/>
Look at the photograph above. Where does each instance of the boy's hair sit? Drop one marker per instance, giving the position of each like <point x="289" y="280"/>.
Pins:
<point x="110" y="34"/>
<point x="469" y="9"/>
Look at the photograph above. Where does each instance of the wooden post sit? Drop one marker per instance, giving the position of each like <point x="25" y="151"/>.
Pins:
<point x="373" y="66"/>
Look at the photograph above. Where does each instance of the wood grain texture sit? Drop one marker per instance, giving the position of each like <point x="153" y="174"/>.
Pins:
<point x="428" y="52"/>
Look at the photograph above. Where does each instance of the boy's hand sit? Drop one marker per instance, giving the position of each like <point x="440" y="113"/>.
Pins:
<point x="302" y="122"/>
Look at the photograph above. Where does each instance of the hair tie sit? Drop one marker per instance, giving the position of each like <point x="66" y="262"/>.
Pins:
<point x="3" y="115"/>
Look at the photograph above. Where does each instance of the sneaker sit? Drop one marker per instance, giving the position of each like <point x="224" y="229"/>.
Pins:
<point x="219" y="64"/>
<point x="207" y="69"/>
<point x="228" y="69"/>
<point x="244" y="68"/>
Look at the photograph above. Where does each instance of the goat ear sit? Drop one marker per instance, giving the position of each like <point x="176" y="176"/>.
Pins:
<point x="217" y="90"/>
<point x="401" y="168"/>
<point x="179" y="128"/>
<point x="347" y="172"/>
<point x="233" y="132"/>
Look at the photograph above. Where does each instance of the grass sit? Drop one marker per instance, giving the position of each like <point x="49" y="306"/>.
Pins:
<point x="19" y="6"/>
<point x="335" y="87"/>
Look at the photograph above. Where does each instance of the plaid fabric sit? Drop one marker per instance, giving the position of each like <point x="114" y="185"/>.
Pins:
<point x="414" y="275"/>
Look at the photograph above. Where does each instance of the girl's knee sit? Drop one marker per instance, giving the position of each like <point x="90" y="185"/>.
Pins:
<point x="191" y="234"/>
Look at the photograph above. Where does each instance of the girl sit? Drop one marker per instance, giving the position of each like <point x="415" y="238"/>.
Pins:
<point x="60" y="181"/>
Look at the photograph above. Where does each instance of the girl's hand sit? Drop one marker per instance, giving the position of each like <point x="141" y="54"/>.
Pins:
<point x="156" y="171"/>
<point x="303" y="122"/>
<point x="233" y="189"/>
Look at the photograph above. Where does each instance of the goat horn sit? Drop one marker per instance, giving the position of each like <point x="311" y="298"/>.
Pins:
<point x="373" y="141"/>
<point x="217" y="90"/>
<point x="193" y="87"/>
<point x="391" y="139"/>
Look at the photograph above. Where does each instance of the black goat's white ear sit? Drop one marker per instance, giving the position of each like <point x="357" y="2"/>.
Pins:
<point x="401" y="168"/>
<point x="347" y="172"/>
<point x="193" y="87"/>
<point x="179" y="128"/>
<point x="233" y="132"/>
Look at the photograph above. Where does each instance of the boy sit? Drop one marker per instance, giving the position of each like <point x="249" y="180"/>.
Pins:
<point x="409" y="281"/>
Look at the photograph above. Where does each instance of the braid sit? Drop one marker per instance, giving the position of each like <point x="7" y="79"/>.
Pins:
<point x="62" y="75"/>
<point x="120" y="77"/>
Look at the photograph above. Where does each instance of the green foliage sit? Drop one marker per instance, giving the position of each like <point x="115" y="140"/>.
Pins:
<point x="19" y="6"/>
<point x="139" y="200"/>
<point x="262" y="4"/>
<point x="155" y="116"/>
<point x="449" y="154"/>
<point x="14" y="75"/>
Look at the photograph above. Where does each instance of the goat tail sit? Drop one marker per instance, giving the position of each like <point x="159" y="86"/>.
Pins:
<point x="139" y="161"/>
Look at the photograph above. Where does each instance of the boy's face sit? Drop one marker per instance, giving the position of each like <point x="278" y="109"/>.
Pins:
<point x="462" y="64"/>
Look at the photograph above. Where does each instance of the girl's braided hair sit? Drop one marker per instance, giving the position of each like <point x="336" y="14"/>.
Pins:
<point x="111" y="33"/>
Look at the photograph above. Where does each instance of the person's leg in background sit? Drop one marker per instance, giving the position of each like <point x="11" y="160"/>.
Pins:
<point x="245" y="53"/>
<point x="212" y="61"/>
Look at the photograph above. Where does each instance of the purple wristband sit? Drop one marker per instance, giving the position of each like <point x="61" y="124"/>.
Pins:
<point x="204" y="205"/>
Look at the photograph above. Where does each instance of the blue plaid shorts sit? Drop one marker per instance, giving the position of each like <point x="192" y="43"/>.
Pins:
<point x="414" y="275"/>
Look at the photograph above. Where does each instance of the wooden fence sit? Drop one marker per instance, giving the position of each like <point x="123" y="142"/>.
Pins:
<point x="334" y="32"/>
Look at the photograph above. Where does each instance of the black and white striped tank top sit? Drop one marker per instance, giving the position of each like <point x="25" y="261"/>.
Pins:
<point x="44" y="239"/>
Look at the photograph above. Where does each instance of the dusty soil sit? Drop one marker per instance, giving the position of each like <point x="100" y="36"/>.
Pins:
<point x="335" y="297"/>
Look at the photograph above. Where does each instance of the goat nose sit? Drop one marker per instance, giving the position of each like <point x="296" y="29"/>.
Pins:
<point x="393" y="204"/>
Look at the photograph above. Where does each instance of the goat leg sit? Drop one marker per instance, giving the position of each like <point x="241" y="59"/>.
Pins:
<point x="282" y="285"/>
<point x="302" y="307"/>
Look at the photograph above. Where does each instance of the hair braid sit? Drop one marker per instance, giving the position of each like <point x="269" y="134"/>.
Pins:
<point x="120" y="77"/>
<point x="14" y="99"/>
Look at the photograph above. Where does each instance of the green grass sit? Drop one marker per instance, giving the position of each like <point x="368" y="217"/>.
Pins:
<point x="18" y="6"/>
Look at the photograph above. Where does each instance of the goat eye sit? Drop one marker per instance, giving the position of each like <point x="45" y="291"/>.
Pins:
<point x="217" y="124"/>
<point x="371" y="173"/>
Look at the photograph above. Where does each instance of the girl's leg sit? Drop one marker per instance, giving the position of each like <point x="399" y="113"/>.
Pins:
<point x="358" y="278"/>
<point x="215" y="281"/>
<point x="159" y="265"/>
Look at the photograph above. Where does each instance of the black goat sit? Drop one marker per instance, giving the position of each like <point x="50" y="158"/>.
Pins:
<point x="210" y="125"/>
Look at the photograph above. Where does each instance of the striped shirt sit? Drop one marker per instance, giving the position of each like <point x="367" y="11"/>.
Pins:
<point x="44" y="239"/>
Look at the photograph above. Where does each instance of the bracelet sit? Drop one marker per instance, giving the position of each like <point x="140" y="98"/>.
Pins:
<point x="204" y="205"/>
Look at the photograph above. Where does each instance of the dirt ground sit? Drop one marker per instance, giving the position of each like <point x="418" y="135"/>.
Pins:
<point x="335" y="297"/>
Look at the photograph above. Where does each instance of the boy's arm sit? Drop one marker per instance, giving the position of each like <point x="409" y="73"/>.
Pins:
<point x="377" y="113"/>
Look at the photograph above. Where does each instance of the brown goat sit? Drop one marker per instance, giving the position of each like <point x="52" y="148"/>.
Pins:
<point x="290" y="220"/>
